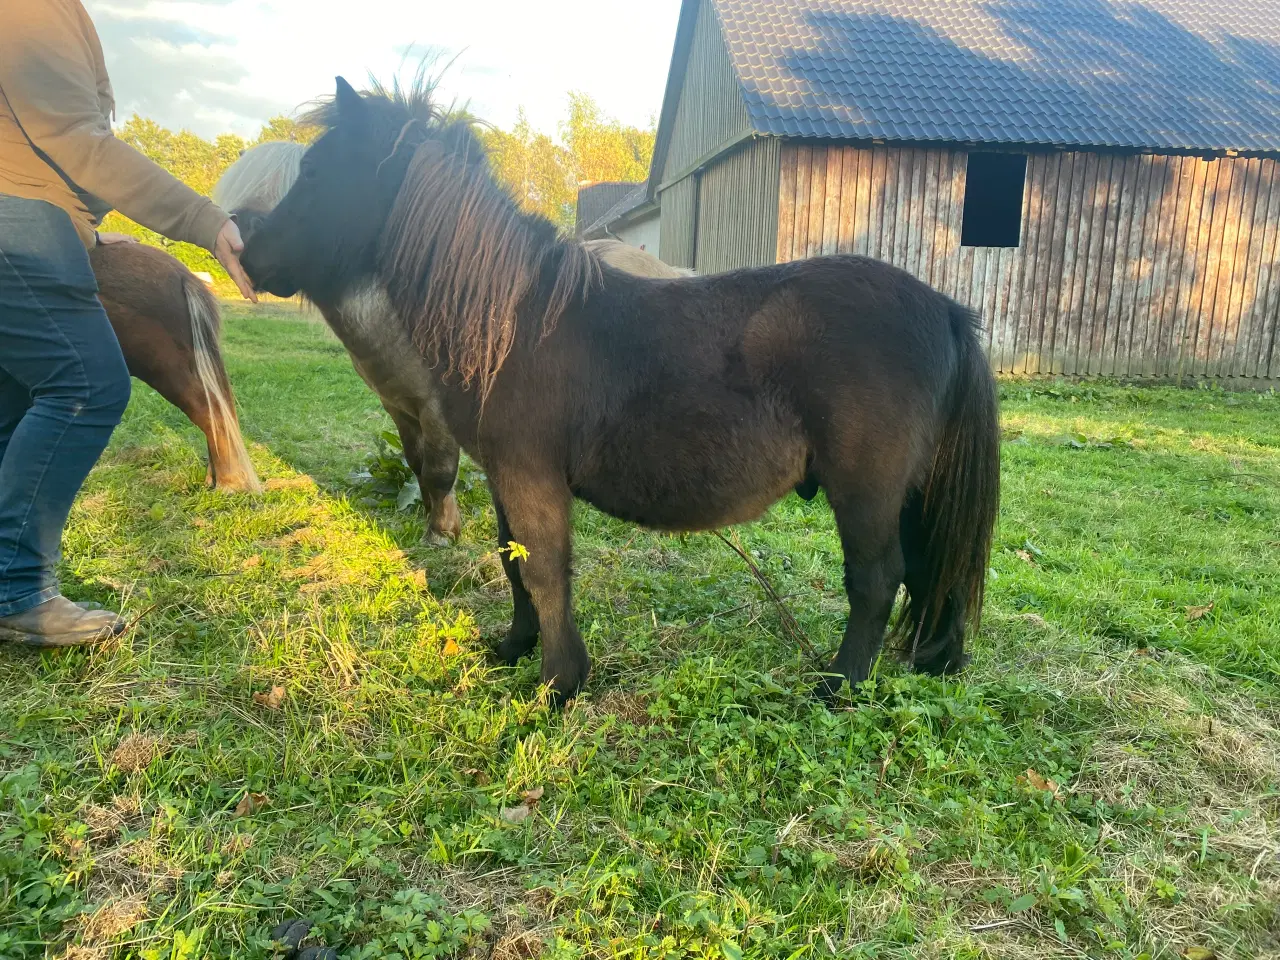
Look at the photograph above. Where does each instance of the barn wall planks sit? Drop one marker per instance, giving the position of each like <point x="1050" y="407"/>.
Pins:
<point x="737" y="217"/>
<point x="1129" y="266"/>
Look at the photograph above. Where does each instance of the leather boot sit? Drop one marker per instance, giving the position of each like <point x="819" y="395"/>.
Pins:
<point x="60" y="623"/>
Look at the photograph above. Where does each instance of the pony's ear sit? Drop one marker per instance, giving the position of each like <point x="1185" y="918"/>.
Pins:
<point x="350" y="104"/>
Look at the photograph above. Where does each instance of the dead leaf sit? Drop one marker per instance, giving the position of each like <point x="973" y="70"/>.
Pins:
<point x="419" y="579"/>
<point x="1038" y="782"/>
<point x="272" y="699"/>
<point x="1197" y="613"/>
<point x="237" y="844"/>
<point x="1198" y="953"/>
<point x="479" y="776"/>
<point x="532" y="797"/>
<point x="1025" y="556"/>
<point x="251" y="562"/>
<point x="451" y="648"/>
<point x="252" y="803"/>
<point x="516" y="814"/>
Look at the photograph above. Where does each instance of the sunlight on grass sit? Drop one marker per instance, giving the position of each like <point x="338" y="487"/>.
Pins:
<point x="304" y="719"/>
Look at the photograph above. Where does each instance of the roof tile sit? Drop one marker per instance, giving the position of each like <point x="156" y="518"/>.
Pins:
<point x="1176" y="74"/>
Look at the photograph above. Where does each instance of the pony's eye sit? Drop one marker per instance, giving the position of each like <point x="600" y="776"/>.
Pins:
<point x="308" y="173"/>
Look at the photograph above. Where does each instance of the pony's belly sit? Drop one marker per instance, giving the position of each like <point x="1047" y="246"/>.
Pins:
<point x="694" y="483"/>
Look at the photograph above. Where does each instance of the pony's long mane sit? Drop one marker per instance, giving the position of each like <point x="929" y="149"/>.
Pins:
<point x="466" y="268"/>
<point x="260" y="178"/>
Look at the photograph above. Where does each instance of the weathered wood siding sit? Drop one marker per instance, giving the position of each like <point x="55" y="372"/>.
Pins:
<point x="737" y="213"/>
<point x="710" y="111"/>
<point x="679" y="208"/>
<point x="1129" y="266"/>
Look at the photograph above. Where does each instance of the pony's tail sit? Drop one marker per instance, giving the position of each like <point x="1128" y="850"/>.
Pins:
<point x="229" y="463"/>
<point x="955" y="516"/>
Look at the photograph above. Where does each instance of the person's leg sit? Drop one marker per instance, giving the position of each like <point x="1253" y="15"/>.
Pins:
<point x="56" y="345"/>
<point x="14" y="401"/>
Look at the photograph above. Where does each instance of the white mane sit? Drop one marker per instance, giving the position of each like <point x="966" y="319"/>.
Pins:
<point x="260" y="178"/>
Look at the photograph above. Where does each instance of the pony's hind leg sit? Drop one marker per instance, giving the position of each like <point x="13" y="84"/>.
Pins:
<point x="536" y="505"/>
<point x="873" y="571"/>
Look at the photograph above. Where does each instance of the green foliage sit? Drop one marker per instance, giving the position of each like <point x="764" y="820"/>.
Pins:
<point x="544" y="175"/>
<point x="601" y="148"/>
<point x="537" y="171"/>
<point x="695" y="802"/>
<point x="386" y="479"/>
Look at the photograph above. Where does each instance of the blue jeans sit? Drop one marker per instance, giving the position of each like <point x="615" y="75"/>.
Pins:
<point x="63" y="389"/>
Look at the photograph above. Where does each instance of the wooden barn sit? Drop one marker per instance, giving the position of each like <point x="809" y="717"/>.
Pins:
<point x="1099" y="178"/>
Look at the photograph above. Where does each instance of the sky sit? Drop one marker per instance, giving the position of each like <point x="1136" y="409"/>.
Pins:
<point x="225" y="66"/>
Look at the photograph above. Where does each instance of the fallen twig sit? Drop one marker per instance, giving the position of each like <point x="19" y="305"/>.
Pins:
<point x="790" y="625"/>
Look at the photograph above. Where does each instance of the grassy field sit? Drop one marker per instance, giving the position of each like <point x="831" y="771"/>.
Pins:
<point x="305" y="719"/>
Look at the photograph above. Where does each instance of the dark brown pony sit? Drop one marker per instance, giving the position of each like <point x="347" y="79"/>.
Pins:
<point x="681" y="404"/>
<point x="168" y="326"/>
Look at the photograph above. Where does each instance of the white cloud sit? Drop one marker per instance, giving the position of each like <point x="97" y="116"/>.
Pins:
<point x="227" y="65"/>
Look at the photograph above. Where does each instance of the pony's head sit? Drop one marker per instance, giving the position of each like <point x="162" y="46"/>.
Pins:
<point x="322" y="238"/>
<point x="400" y="192"/>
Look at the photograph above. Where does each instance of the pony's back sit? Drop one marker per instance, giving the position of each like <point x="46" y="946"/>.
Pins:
<point x="622" y="256"/>
<point x="260" y="178"/>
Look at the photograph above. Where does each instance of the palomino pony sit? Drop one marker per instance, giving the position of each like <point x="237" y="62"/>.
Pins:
<point x="168" y="325"/>
<point x="681" y="404"/>
<point x="379" y="345"/>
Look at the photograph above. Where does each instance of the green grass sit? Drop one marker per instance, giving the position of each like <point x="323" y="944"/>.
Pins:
<point x="696" y="802"/>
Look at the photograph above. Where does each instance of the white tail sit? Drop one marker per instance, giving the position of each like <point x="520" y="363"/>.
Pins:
<point x="205" y="325"/>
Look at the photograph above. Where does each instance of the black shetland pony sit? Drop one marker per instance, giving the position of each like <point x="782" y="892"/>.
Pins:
<point x="681" y="404"/>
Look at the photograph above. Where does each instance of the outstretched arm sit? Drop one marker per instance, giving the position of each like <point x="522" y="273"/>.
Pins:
<point x="47" y="76"/>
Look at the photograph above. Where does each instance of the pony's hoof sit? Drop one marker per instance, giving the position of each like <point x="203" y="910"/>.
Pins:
<point x="290" y="934"/>
<point x="515" y="647"/>
<point x="565" y="680"/>
<point x="433" y="539"/>
<point x="945" y="666"/>
<point x="835" y="689"/>
<point x="445" y="521"/>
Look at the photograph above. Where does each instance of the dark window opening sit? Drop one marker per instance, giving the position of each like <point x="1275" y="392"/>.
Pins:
<point x="993" y="200"/>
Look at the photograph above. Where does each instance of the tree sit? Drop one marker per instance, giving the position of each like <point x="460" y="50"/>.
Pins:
<point x="601" y="147"/>
<point x="286" y="128"/>
<point x="537" y="171"/>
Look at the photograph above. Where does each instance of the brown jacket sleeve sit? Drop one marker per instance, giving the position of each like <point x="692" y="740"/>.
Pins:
<point x="48" y="77"/>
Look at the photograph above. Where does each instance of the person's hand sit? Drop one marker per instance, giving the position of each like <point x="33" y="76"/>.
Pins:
<point x="227" y="249"/>
<point x="106" y="238"/>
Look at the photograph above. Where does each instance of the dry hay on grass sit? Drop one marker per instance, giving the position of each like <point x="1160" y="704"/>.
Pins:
<point x="135" y="752"/>
<point x="112" y="920"/>
<point x="632" y="708"/>
<point x="77" y="951"/>
<point x="106" y="823"/>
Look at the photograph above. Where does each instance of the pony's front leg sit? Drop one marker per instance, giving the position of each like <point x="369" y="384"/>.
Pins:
<point x="436" y="478"/>
<point x="522" y="637"/>
<point x="432" y="455"/>
<point x="534" y="514"/>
